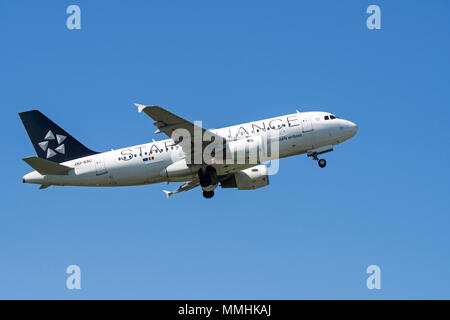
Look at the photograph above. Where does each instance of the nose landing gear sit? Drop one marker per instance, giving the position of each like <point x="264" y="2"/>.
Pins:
<point x="315" y="152"/>
<point x="321" y="162"/>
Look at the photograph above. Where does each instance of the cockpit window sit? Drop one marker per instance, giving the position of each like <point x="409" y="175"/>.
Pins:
<point x="327" y="118"/>
<point x="332" y="117"/>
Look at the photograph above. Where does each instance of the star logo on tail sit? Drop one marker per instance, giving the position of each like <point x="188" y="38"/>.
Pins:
<point x="50" y="137"/>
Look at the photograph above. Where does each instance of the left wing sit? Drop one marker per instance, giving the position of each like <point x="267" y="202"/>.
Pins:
<point x="168" y="122"/>
<point x="184" y="187"/>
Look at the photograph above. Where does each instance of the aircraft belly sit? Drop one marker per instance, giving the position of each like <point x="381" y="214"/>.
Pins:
<point x="137" y="172"/>
<point x="295" y="143"/>
<point x="77" y="180"/>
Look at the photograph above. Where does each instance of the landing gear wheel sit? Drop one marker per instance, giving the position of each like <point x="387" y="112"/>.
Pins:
<point x="322" y="163"/>
<point x="208" y="194"/>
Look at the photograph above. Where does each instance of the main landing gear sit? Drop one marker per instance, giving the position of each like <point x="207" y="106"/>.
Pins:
<point x="208" y="181"/>
<point x="321" y="162"/>
<point x="208" y="194"/>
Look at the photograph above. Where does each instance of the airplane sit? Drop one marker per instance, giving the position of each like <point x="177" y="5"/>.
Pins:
<point x="63" y="161"/>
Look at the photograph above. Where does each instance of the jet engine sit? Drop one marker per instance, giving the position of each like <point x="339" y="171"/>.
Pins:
<point x="248" y="179"/>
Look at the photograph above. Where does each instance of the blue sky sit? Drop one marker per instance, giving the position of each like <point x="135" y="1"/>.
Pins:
<point x="311" y="234"/>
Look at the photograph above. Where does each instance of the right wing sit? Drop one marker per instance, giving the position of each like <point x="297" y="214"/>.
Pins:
<point x="184" y="187"/>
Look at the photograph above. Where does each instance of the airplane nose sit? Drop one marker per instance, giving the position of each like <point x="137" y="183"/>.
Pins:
<point x="353" y="128"/>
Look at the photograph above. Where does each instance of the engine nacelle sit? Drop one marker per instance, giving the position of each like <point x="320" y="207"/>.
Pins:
<point x="248" y="179"/>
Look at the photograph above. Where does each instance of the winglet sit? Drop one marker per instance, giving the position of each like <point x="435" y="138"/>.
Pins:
<point x="140" y="107"/>
<point x="168" y="193"/>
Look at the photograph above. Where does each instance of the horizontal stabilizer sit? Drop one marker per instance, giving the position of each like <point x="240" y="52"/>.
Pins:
<point x="46" y="167"/>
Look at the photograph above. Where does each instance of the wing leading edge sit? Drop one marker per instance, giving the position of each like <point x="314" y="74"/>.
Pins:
<point x="168" y="122"/>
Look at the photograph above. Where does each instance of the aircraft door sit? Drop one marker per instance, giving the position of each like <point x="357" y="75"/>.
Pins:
<point x="306" y="123"/>
<point x="99" y="165"/>
<point x="282" y="132"/>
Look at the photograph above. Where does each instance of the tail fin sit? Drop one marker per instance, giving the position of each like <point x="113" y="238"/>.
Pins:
<point x="50" y="141"/>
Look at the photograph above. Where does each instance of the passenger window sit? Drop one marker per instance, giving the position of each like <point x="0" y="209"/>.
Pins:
<point x="326" y="118"/>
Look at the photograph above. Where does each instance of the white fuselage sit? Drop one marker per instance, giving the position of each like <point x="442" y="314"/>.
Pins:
<point x="298" y="133"/>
